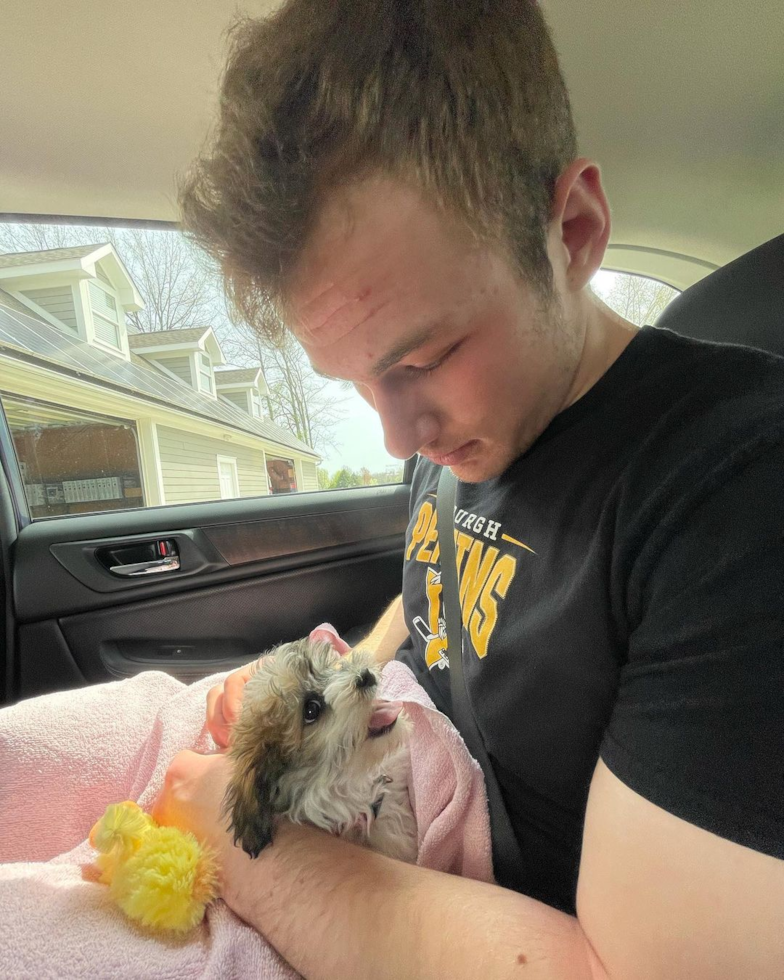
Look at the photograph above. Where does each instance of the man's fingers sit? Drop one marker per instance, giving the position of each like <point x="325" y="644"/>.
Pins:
<point x="224" y="703"/>
<point x="233" y="690"/>
<point x="217" y="725"/>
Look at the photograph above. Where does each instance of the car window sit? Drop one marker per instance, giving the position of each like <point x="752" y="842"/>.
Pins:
<point x="638" y="299"/>
<point x="127" y="384"/>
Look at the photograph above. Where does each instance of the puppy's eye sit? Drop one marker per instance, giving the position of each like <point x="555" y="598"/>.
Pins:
<point x="312" y="710"/>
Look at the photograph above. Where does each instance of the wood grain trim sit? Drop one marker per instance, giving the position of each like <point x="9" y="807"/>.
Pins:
<point x="273" y="538"/>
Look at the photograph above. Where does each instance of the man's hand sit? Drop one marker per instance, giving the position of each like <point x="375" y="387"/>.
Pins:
<point x="224" y="702"/>
<point x="192" y="798"/>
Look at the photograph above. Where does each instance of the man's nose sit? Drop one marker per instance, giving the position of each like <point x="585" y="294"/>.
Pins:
<point x="408" y="427"/>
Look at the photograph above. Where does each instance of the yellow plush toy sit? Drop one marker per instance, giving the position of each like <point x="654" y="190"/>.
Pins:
<point x="159" y="876"/>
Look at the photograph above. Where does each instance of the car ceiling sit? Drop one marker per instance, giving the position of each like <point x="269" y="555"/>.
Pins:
<point x="681" y="103"/>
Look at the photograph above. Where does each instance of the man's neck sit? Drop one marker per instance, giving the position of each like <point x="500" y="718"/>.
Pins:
<point x="607" y="335"/>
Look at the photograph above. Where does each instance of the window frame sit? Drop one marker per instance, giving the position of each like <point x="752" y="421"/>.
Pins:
<point x="200" y="357"/>
<point x="232" y="462"/>
<point x="94" y="416"/>
<point x="97" y="284"/>
<point x="8" y="458"/>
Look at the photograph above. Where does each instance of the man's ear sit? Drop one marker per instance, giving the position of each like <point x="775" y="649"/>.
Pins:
<point x="580" y="222"/>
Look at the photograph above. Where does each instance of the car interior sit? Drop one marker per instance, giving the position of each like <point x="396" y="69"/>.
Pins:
<point x="103" y="106"/>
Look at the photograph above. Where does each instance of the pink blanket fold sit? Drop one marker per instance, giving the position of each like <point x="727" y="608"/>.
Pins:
<point x="64" y="757"/>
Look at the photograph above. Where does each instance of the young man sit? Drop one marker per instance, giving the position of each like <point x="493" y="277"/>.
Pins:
<point x="398" y="183"/>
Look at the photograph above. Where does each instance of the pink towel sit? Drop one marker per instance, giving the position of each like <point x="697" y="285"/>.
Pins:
<point x="64" y="757"/>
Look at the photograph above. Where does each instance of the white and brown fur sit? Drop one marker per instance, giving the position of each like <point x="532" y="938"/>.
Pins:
<point x="336" y="771"/>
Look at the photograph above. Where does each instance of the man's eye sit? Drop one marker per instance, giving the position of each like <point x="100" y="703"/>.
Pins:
<point x="312" y="710"/>
<point x="429" y="368"/>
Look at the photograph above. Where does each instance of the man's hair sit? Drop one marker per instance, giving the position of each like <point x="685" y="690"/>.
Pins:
<point x="464" y="98"/>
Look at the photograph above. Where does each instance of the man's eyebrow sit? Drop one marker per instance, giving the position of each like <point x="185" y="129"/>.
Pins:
<point x="398" y="352"/>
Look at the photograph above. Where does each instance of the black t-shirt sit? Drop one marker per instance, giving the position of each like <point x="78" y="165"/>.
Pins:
<point x="622" y="589"/>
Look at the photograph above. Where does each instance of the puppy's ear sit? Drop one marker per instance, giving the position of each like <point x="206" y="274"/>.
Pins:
<point x="252" y="792"/>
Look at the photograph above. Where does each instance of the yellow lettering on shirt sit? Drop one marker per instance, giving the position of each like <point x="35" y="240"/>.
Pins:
<point x="483" y="621"/>
<point x="473" y="576"/>
<point x="420" y="528"/>
<point x="424" y="553"/>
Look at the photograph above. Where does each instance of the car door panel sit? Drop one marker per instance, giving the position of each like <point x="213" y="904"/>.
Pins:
<point x="254" y="572"/>
<point x="204" y="631"/>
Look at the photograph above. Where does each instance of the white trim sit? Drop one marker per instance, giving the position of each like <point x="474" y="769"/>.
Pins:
<point x="152" y="470"/>
<point x="232" y="462"/>
<point x="117" y="348"/>
<point x="298" y="475"/>
<point x="200" y="344"/>
<point x="253" y="383"/>
<point x="237" y="386"/>
<point x="154" y="349"/>
<point x="122" y="349"/>
<point x="108" y="348"/>
<point x="671" y="268"/>
<point x="266" y="473"/>
<point x="38" y="381"/>
<point x="82" y="267"/>
<point x="196" y="368"/>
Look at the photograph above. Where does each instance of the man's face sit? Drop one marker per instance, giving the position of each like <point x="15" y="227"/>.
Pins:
<point x="463" y="362"/>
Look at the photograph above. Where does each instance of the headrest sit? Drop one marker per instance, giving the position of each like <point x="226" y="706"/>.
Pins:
<point x="741" y="303"/>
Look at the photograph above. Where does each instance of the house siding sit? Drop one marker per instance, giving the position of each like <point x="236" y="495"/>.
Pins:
<point x="309" y="476"/>
<point x="181" y="366"/>
<point x="189" y="466"/>
<point x="238" y="398"/>
<point x="58" y="301"/>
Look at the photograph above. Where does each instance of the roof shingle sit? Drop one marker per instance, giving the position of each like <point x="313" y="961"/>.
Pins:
<point x="162" y="338"/>
<point x="10" y="259"/>
<point x="25" y="337"/>
<point x="236" y="376"/>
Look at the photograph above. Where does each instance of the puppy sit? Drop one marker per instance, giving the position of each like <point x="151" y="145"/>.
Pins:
<point x="314" y="745"/>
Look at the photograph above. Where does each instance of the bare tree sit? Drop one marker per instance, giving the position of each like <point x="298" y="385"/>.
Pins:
<point x="178" y="287"/>
<point x="637" y="298"/>
<point x="38" y="238"/>
<point x="180" y="290"/>
<point x="299" y="400"/>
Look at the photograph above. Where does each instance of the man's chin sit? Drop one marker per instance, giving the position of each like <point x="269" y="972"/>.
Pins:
<point x="479" y="462"/>
<point x="479" y="469"/>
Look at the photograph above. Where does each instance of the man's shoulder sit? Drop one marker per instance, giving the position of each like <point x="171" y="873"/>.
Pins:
<point x="714" y="431"/>
<point x="674" y="365"/>
<point x="712" y="398"/>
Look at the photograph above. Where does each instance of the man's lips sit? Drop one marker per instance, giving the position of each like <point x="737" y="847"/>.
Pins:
<point x="454" y="457"/>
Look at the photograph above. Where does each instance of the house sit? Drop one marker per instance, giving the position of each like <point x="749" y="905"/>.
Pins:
<point x="106" y="417"/>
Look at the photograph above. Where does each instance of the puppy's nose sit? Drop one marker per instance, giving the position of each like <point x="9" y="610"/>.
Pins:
<point x="366" y="679"/>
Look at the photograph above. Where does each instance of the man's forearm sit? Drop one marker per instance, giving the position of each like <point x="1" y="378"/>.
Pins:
<point x="334" y="910"/>
<point x="388" y="633"/>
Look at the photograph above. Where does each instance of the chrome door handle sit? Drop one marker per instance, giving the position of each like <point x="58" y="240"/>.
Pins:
<point x="170" y="564"/>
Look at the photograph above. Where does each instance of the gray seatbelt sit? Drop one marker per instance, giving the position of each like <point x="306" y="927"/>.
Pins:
<point x="507" y="860"/>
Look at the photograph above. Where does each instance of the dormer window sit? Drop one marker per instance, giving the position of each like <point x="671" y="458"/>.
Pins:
<point x="205" y="374"/>
<point x="106" y="319"/>
<point x="243" y="387"/>
<point x="84" y="290"/>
